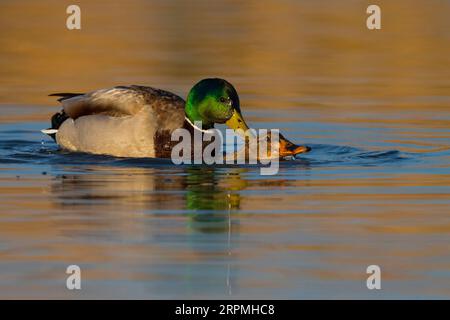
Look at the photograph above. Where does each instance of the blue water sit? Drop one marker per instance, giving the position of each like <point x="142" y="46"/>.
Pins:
<point x="145" y="228"/>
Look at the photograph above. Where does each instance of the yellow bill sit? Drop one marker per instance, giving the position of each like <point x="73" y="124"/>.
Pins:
<point x="237" y="122"/>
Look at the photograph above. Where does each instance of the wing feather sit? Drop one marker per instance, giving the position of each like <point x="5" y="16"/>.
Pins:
<point x="118" y="101"/>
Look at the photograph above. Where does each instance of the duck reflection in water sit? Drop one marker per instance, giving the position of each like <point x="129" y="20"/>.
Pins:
<point x="206" y="195"/>
<point x="141" y="207"/>
<point x="212" y="196"/>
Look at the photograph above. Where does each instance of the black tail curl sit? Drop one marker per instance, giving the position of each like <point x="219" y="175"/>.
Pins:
<point x="65" y="95"/>
<point x="57" y="120"/>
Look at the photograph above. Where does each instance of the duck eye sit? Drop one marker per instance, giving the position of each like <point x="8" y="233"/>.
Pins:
<point x="222" y="99"/>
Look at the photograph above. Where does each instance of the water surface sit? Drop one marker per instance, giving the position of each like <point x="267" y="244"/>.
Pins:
<point x="375" y="189"/>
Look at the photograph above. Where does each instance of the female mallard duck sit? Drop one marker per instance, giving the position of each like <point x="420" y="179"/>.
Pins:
<point x="137" y="121"/>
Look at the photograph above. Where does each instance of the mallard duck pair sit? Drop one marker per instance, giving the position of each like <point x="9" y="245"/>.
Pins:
<point x="137" y="121"/>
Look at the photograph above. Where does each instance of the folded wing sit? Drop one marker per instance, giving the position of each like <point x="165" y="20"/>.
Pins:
<point x="117" y="101"/>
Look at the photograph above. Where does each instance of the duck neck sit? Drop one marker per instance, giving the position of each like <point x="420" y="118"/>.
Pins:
<point x="193" y="115"/>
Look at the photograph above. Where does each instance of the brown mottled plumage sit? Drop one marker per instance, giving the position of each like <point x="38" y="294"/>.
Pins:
<point x="126" y="121"/>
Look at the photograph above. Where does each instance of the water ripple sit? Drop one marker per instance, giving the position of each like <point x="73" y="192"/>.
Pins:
<point x="24" y="151"/>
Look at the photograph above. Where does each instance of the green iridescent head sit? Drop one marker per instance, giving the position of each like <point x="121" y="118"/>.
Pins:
<point x="214" y="101"/>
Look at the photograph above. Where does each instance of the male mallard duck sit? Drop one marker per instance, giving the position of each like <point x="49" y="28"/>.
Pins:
<point x="137" y="121"/>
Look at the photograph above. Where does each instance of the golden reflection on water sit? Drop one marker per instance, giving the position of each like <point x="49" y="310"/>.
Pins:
<point x="129" y="223"/>
<point x="308" y="232"/>
<point x="284" y="53"/>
